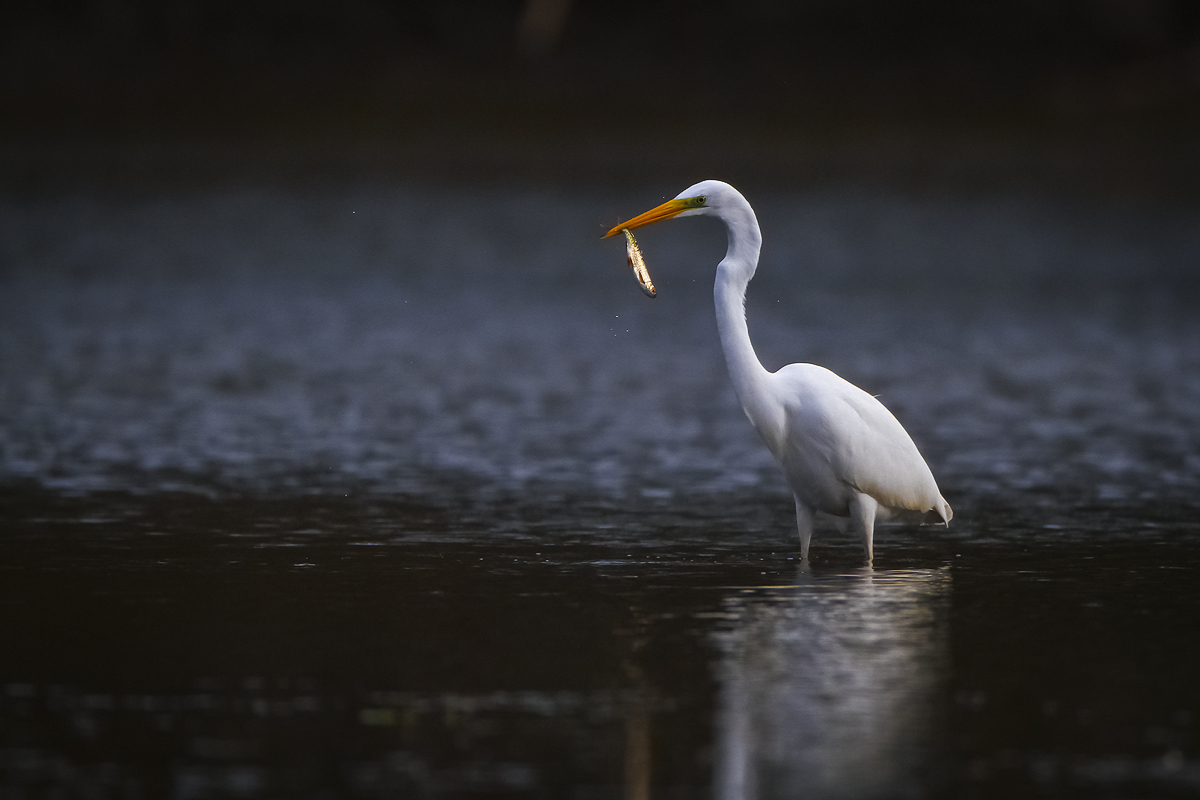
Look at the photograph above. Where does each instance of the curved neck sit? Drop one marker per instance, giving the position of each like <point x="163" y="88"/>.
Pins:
<point x="729" y="294"/>
<point x="745" y="370"/>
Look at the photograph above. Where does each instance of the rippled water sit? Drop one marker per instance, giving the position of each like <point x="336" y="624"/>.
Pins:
<point x="409" y="492"/>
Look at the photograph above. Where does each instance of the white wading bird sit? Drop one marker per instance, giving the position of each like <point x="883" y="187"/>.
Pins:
<point x="842" y="451"/>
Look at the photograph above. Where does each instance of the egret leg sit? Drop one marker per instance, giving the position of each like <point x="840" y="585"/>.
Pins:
<point x="862" y="513"/>
<point x="804" y="524"/>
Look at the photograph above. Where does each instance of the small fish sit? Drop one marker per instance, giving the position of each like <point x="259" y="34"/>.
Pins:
<point x="638" y="264"/>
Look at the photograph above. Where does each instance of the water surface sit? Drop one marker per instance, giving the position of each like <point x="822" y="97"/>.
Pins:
<point x="401" y="491"/>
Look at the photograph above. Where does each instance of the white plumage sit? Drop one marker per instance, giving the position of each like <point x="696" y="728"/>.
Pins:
<point x="843" y="453"/>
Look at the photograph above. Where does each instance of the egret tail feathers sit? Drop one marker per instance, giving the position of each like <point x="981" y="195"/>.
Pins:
<point x="944" y="511"/>
<point x="940" y="514"/>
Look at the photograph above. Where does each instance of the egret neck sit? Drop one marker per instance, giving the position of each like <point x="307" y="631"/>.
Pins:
<point x="750" y="379"/>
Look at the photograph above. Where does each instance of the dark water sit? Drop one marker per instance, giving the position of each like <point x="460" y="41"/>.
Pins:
<point x="408" y="492"/>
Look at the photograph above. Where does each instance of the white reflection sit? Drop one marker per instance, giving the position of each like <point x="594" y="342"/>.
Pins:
<point x="827" y="686"/>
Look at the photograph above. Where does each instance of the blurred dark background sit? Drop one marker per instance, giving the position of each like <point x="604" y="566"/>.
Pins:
<point x="1078" y="93"/>
<point x="319" y="385"/>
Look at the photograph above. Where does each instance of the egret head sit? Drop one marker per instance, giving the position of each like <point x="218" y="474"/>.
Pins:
<point x="703" y="198"/>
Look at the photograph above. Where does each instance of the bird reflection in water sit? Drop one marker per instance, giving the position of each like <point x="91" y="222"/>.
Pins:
<point x="639" y="707"/>
<point x="828" y="685"/>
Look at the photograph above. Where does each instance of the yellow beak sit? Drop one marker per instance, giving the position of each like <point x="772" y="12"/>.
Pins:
<point x="667" y="210"/>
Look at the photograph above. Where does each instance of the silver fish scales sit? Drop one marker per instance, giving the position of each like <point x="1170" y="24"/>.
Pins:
<point x="638" y="264"/>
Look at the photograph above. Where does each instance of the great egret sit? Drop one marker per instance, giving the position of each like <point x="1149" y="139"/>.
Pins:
<point x="842" y="451"/>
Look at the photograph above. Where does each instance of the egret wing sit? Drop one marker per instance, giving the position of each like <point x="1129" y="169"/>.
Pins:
<point x="840" y="440"/>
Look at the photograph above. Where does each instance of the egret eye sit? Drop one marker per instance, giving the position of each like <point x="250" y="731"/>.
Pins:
<point x="701" y="200"/>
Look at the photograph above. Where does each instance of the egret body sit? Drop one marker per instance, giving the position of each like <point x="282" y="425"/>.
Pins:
<point x="843" y="453"/>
